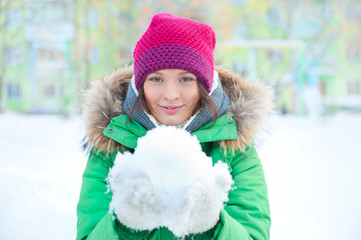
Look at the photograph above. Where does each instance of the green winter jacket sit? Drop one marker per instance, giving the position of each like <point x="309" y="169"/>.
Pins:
<point x="246" y="215"/>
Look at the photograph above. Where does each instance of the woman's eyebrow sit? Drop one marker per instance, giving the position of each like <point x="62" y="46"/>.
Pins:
<point x="183" y="73"/>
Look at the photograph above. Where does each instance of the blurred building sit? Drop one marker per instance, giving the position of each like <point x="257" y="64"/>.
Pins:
<point x="286" y="42"/>
<point x="36" y="64"/>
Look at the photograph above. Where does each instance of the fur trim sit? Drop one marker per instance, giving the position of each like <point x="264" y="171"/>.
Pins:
<point x="103" y="101"/>
<point x="251" y="104"/>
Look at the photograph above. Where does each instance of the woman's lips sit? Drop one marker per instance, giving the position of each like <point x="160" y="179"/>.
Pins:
<point x="171" y="110"/>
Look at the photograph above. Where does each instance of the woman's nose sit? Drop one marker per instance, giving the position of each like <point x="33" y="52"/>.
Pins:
<point x="171" y="91"/>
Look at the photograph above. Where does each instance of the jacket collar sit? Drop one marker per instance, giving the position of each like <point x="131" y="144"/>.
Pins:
<point x="127" y="132"/>
<point x="251" y="104"/>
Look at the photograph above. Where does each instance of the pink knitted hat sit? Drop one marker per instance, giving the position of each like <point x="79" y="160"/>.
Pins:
<point x="172" y="42"/>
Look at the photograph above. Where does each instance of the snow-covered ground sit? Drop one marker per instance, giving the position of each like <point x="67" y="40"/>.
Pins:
<point x="312" y="168"/>
<point x="40" y="175"/>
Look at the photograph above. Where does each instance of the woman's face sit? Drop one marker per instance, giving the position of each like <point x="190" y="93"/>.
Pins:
<point x="171" y="95"/>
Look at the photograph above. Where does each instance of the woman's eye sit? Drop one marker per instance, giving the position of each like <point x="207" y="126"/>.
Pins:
<point x="186" y="79"/>
<point x="155" y="79"/>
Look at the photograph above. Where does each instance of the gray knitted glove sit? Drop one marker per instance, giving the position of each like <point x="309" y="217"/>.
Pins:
<point x="169" y="182"/>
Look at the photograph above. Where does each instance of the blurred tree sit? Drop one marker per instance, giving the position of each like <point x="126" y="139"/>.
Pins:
<point x="3" y="7"/>
<point x="10" y="23"/>
<point x="199" y="10"/>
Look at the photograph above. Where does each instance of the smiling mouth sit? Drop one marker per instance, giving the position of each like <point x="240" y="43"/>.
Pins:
<point x="171" y="109"/>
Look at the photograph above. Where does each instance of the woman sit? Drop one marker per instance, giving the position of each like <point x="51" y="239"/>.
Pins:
<point x="175" y="83"/>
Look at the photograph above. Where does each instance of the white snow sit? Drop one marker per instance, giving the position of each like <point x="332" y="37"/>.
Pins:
<point x="312" y="169"/>
<point x="169" y="182"/>
<point x="40" y="174"/>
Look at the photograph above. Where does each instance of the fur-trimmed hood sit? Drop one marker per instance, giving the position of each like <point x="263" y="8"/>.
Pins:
<point x="251" y="104"/>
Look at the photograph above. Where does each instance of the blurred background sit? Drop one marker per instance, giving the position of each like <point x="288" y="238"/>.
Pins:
<point x="305" y="49"/>
<point x="308" y="51"/>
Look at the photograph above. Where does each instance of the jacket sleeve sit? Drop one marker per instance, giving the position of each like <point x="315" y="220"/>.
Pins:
<point x="94" y="219"/>
<point x="246" y="214"/>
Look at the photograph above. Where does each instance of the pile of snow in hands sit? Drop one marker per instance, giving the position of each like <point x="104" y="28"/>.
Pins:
<point x="169" y="182"/>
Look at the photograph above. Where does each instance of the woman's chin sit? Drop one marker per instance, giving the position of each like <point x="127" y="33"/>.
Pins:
<point x="171" y="121"/>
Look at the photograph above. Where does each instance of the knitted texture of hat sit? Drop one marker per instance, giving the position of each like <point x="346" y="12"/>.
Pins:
<point x="175" y="43"/>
